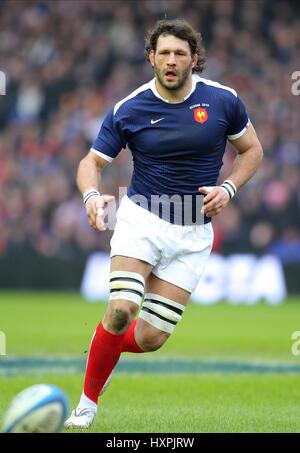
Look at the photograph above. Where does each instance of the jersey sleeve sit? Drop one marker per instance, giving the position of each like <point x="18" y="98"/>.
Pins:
<point x="110" y="139"/>
<point x="239" y="120"/>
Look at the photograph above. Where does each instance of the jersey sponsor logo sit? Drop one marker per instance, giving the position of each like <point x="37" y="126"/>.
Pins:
<point x="156" y="121"/>
<point x="200" y="115"/>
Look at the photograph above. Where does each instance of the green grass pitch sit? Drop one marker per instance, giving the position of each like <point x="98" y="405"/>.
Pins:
<point x="61" y="325"/>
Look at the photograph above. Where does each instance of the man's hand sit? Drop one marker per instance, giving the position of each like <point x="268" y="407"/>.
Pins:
<point x="95" y="209"/>
<point x="215" y="200"/>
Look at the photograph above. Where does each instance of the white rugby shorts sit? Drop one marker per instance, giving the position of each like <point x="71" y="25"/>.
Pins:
<point x="178" y="253"/>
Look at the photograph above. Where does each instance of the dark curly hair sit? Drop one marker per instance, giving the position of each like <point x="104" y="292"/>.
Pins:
<point x="181" y="29"/>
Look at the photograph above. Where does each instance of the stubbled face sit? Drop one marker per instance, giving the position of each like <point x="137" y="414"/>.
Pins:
<point x="172" y="61"/>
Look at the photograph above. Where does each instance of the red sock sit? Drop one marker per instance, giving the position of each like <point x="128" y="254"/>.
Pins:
<point x="104" y="354"/>
<point x="129" y="343"/>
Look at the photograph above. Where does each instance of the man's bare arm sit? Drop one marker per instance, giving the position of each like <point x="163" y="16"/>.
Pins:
<point x="89" y="172"/>
<point x="248" y="159"/>
<point x="88" y="178"/>
<point x="246" y="163"/>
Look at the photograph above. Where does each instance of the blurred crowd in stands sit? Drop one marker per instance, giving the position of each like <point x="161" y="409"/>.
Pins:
<point x="68" y="61"/>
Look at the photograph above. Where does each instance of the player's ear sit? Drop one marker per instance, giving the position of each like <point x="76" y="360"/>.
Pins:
<point x="194" y="60"/>
<point x="151" y="57"/>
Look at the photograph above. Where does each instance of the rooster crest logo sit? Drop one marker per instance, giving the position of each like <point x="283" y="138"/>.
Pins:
<point x="200" y="115"/>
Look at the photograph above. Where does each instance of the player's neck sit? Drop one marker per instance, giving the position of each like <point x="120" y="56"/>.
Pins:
<point x="174" y="96"/>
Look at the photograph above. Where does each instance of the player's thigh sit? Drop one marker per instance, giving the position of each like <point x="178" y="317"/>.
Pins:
<point x="156" y="285"/>
<point x="128" y="264"/>
<point x="148" y="333"/>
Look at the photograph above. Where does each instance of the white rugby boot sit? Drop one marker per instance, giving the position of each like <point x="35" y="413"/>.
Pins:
<point x="81" y="417"/>
<point x="84" y="414"/>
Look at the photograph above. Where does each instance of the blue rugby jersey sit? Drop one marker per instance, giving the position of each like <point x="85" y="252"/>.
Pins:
<point x="176" y="147"/>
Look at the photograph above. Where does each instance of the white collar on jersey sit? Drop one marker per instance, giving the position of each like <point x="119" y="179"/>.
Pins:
<point x="152" y="86"/>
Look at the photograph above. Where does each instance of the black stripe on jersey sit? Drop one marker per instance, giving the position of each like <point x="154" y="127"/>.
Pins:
<point x="148" y="310"/>
<point x="127" y="279"/>
<point x="164" y="304"/>
<point x="127" y="290"/>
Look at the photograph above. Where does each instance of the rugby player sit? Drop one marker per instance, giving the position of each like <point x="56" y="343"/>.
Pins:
<point x="176" y="127"/>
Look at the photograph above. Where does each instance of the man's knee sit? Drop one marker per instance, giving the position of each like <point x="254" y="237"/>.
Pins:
<point x="119" y="315"/>
<point x="158" y="318"/>
<point x="152" y="342"/>
<point x="119" y="319"/>
<point x="126" y="294"/>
